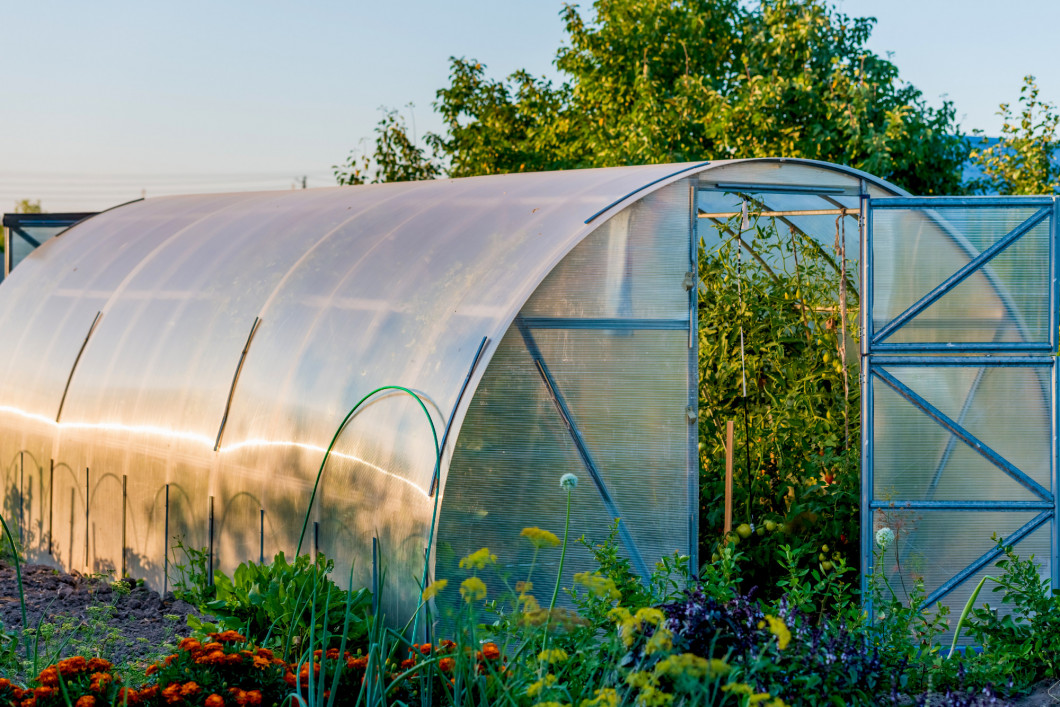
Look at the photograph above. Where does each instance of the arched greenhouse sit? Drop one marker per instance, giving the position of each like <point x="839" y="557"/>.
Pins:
<point x="177" y="367"/>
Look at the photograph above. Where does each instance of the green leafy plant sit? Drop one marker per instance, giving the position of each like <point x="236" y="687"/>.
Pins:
<point x="279" y="603"/>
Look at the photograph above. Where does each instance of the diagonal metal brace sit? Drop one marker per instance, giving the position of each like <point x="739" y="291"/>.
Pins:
<point x="987" y="557"/>
<point x="961" y="275"/>
<point x="962" y="434"/>
<point x="582" y="447"/>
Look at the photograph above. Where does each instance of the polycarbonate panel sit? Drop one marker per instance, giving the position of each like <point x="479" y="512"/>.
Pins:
<point x="935" y="546"/>
<point x="915" y="250"/>
<point x="354" y="288"/>
<point x="1006" y="408"/>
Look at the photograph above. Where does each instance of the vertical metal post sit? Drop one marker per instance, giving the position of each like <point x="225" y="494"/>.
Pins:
<point x="866" y="403"/>
<point x="209" y="569"/>
<point x="693" y="384"/>
<point x="21" y="500"/>
<point x="51" y="505"/>
<point x="316" y="540"/>
<point x="1054" y="329"/>
<point x="124" y="514"/>
<point x="88" y="504"/>
<point x="375" y="577"/>
<point x="261" y="539"/>
<point x="165" y="549"/>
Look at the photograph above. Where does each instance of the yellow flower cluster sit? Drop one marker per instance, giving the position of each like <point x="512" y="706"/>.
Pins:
<point x="754" y="698"/>
<point x="478" y="559"/>
<point x="693" y="666"/>
<point x="432" y="590"/>
<point x="472" y="589"/>
<point x="779" y="629"/>
<point x="598" y="585"/>
<point x="552" y="655"/>
<point x="543" y="684"/>
<point x="629" y="625"/>
<point x="541" y="538"/>
<point x="606" y="697"/>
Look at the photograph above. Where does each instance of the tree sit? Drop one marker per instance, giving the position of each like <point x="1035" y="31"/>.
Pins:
<point x="1023" y="161"/>
<point x="397" y="157"/>
<point x="651" y="81"/>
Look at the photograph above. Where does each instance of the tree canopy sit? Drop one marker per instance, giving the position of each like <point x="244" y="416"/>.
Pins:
<point x="1024" y="160"/>
<point x="653" y="81"/>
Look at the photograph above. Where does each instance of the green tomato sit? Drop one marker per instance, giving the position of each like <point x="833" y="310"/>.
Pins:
<point x="743" y="530"/>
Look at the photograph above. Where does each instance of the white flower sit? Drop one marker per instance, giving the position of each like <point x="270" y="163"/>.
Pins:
<point x="568" y="482"/>
<point x="884" y="537"/>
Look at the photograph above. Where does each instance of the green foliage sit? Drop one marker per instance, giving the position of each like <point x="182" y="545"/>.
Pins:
<point x="397" y="157"/>
<point x="1024" y="160"/>
<point x="190" y="573"/>
<point x="278" y="604"/>
<point x="660" y="81"/>
<point x="1018" y="645"/>
<point x="796" y="476"/>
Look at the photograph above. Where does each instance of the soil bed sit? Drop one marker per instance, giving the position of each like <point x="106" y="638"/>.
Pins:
<point x="124" y="624"/>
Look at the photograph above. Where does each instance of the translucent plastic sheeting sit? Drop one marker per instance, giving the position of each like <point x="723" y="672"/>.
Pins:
<point x="626" y="391"/>
<point x="1007" y="408"/>
<point x="1007" y="300"/>
<point x="355" y="288"/>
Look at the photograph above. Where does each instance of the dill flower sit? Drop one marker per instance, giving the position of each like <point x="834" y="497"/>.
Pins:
<point x="540" y="538"/>
<point x="544" y="683"/>
<point x="605" y="697"/>
<point x="472" y="589"/>
<point x="661" y="640"/>
<point x="552" y="655"/>
<point x="432" y="590"/>
<point x="568" y="482"/>
<point x="598" y="585"/>
<point x="478" y="559"/>
<point x="884" y="537"/>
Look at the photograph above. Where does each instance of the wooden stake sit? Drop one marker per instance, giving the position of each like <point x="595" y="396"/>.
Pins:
<point x="728" y="475"/>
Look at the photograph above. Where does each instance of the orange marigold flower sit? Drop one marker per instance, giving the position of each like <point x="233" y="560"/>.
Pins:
<point x="29" y="702"/>
<point x="357" y="663"/>
<point x="149" y="693"/>
<point x="447" y="644"/>
<point x="238" y="695"/>
<point x="190" y="689"/>
<point x="228" y="637"/>
<point x="151" y="669"/>
<point x="215" y="700"/>
<point x="290" y="679"/>
<point x="43" y="691"/>
<point x="260" y="663"/>
<point x="99" y="665"/>
<point x="446" y="664"/>
<point x="72" y="666"/>
<point x="85" y="701"/>
<point x="188" y="644"/>
<point x="491" y="651"/>
<point x="265" y="653"/>
<point x="408" y="664"/>
<point x="169" y="659"/>
<point x="233" y="659"/>
<point x="49" y="676"/>
<point x="253" y="698"/>
<point x="127" y="696"/>
<point x="425" y="649"/>
<point x="212" y="646"/>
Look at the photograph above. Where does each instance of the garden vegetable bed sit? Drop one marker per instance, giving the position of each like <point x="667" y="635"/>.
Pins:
<point x="121" y="622"/>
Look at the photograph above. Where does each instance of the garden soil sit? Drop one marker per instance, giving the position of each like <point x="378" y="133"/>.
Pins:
<point x="127" y="624"/>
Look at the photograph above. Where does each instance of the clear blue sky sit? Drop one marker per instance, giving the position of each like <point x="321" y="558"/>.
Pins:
<point x="104" y="100"/>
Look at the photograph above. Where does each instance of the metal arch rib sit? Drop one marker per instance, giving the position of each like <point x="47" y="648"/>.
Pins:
<point x="582" y="447"/>
<point x="964" y="435"/>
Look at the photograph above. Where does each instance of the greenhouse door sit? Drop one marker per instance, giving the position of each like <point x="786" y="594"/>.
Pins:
<point x="959" y="434"/>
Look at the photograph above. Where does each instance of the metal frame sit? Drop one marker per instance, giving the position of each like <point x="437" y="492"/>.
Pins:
<point x="991" y="355"/>
<point x="15" y="225"/>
